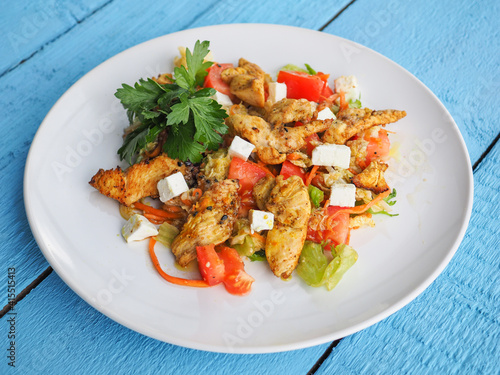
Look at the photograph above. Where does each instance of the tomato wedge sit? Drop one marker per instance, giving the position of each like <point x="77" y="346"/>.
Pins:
<point x="311" y="143"/>
<point x="236" y="280"/>
<point x="337" y="232"/>
<point x="378" y="147"/>
<point x="211" y="266"/>
<point x="214" y="80"/>
<point x="301" y="85"/>
<point x="248" y="174"/>
<point x="289" y="169"/>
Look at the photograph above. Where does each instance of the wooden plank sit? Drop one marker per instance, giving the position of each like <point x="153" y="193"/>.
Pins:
<point x="29" y="25"/>
<point x="58" y="333"/>
<point x="451" y="46"/>
<point x="453" y="326"/>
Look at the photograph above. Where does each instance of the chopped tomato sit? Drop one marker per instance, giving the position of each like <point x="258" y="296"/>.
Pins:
<point x="337" y="228"/>
<point x="327" y="91"/>
<point x="214" y="80"/>
<point x="236" y="280"/>
<point x="289" y="169"/>
<point x="248" y="174"/>
<point x="211" y="266"/>
<point x="378" y="147"/>
<point x="302" y="85"/>
<point x="311" y="143"/>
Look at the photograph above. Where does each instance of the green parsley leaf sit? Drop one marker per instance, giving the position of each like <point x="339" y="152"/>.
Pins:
<point x="391" y="196"/>
<point x="142" y="97"/>
<point x="193" y="120"/>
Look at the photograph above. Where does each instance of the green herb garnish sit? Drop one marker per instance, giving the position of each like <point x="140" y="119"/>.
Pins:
<point x="193" y="120"/>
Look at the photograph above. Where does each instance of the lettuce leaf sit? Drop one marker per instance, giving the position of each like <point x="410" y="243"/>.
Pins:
<point x="315" y="269"/>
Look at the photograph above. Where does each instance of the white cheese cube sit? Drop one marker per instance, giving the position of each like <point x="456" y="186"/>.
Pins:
<point x="348" y="85"/>
<point x="260" y="220"/>
<point x="332" y="155"/>
<point x="224" y="100"/>
<point x="172" y="186"/>
<point x="240" y="148"/>
<point x="138" y="228"/>
<point x="326" y="114"/>
<point x="277" y="91"/>
<point x="343" y="195"/>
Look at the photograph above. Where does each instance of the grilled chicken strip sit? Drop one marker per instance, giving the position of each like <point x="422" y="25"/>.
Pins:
<point x="262" y="190"/>
<point x="138" y="181"/>
<point x="246" y="82"/>
<point x="372" y="178"/>
<point x="273" y="142"/>
<point x="289" y="201"/>
<point x="210" y="222"/>
<point x="354" y="120"/>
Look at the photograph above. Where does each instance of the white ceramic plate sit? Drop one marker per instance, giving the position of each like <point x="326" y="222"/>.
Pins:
<point x="78" y="229"/>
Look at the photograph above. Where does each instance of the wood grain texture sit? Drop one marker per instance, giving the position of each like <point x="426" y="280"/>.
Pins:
<point x="27" y="26"/>
<point x="451" y="46"/>
<point x="454" y="326"/>
<point x="58" y="333"/>
<point x="114" y="28"/>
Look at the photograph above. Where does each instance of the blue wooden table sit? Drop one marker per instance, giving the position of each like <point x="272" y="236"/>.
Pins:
<point x="451" y="45"/>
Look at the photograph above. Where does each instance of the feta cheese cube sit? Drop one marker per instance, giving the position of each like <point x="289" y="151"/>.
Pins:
<point x="260" y="220"/>
<point x="224" y="100"/>
<point x="138" y="228"/>
<point x="332" y="155"/>
<point x="326" y="114"/>
<point x="240" y="148"/>
<point x="348" y="85"/>
<point x="172" y="186"/>
<point x="343" y="195"/>
<point x="277" y="91"/>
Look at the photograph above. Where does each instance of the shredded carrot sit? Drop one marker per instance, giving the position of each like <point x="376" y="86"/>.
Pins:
<point x="364" y="207"/>
<point x="172" y="208"/>
<point x="327" y="203"/>
<point x="294" y="156"/>
<point x="172" y="279"/>
<point x="311" y="174"/>
<point x="187" y="202"/>
<point x="154" y="219"/>
<point x="157" y="212"/>
<point x="197" y="193"/>
<point x="352" y="171"/>
<point x="348" y="237"/>
<point x="343" y="104"/>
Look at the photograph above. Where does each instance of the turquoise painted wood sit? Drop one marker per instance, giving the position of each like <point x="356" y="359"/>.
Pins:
<point x="59" y="333"/>
<point x="453" y="327"/>
<point x="65" y="59"/>
<point x="27" y="26"/>
<point x="452" y="46"/>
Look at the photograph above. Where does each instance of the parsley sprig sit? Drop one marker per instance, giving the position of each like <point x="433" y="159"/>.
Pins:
<point x="193" y="120"/>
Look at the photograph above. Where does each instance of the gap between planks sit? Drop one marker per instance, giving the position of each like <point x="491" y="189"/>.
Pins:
<point x="8" y="70"/>
<point x="9" y="306"/>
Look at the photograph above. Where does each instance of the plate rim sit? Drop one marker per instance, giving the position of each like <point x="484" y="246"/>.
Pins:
<point x="274" y="348"/>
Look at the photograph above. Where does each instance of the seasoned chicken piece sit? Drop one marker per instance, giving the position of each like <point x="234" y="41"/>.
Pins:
<point x="262" y="190"/>
<point x="372" y="178"/>
<point x="353" y="120"/>
<point x="361" y="220"/>
<point x="246" y="82"/>
<point x="291" y="110"/>
<point x="289" y="202"/>
<point x="210" y="221"/>
<point x="283" y="247"/>
<point x="273" y="142"/>
<point x="358" y="154"/>
<point x="137" y="181"/>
